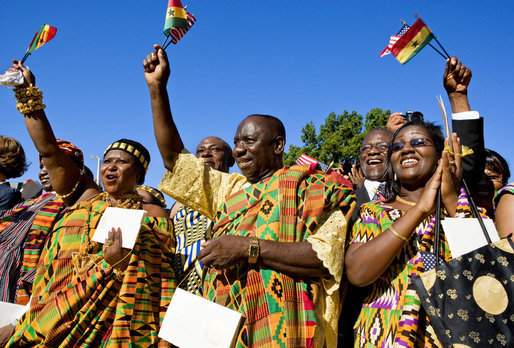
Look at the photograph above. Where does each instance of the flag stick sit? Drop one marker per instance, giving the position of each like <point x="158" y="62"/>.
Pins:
<point x="25" y="57"/>
<point x="447" y="55"/>
<point x="442" y="55"/>
<point x="165" y="40"/>
<point x="169" y="43"/>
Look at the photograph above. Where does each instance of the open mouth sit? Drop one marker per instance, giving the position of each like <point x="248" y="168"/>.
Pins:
<point x="110" y="177"/>
<point x="374" y="162"/>
<point x="243" y="163"/>
<point x="409" y="162"/>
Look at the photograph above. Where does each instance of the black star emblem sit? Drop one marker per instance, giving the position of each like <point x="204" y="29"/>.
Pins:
<point x="415" y="44"/>
<point x="171" y="13"/>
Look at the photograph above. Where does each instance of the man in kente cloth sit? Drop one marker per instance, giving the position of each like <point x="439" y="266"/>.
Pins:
<point x="192" y="228"/>
<point x="278" y="233"/>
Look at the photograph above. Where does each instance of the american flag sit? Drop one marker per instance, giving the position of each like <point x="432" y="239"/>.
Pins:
<point x="312" y="162"/>
<point x="177" y="33"/>
<point x="393" y="40"/>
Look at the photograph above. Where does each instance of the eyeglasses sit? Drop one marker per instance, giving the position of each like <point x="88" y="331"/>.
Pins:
<point x="413" y="143"/>
<point x="382" y="147"/>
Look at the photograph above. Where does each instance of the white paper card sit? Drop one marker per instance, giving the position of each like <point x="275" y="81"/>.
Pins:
<point x="9" y="312"/>
<point x="192" y="321"/>
<point x="128" y="220"/>
<point x="465" y="235"/>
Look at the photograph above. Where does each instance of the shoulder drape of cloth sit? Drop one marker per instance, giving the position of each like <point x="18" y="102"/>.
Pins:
<point x="288" y="207"/>
<point x="88" y="304"/>
<point x="23" y="230"/>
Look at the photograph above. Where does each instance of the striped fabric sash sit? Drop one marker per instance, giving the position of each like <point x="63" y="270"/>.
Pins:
<point x="16" y="232"/>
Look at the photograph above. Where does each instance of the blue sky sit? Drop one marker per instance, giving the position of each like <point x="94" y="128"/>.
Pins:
<point x="298" y="60"/>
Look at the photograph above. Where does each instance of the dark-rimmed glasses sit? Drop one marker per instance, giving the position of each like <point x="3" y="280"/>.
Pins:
<point x="381" y="147"/>
<point x="413" y="143"/>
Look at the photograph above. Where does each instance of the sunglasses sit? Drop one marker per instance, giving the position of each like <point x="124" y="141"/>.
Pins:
<point x="418" y="142"/>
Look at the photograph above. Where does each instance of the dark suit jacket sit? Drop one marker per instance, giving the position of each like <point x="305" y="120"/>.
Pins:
<point x="361" y="196"/>
<point x="471" y="134"/>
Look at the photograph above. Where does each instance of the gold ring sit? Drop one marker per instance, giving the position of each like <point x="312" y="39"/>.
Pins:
<point x="451" y="163"/>
<point x="108" y="243"/>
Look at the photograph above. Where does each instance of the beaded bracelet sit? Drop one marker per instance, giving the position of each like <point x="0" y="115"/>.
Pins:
<point x="29" y="99"/>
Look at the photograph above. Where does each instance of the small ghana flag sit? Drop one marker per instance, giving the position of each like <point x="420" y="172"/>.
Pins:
<point x="413" y="41"/>
<point x="178" y="21"/>
<point x="44" y="34"/>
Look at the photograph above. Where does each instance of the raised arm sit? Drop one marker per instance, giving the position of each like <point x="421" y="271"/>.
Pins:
<point x="67" y="179"/>
<point x="157" y="72"/>
<point x="456" y="79"/>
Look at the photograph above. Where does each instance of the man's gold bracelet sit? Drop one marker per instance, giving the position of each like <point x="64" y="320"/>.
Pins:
<point x="253" y="250"/>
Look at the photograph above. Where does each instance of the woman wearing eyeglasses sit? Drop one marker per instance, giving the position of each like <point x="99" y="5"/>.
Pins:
<point x="386" y="241"/>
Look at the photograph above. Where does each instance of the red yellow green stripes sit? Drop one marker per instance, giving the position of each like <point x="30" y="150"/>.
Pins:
<point x="44" y="34"/>
<point x="176" y="16"/>
<point x="413" y="41"/>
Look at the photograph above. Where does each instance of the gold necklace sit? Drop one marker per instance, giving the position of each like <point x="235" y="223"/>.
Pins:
<point x="127" y="201"/>
<point x="404" y="201"/>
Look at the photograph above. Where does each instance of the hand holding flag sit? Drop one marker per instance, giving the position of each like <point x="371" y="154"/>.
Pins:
<point x="44" y="34"/>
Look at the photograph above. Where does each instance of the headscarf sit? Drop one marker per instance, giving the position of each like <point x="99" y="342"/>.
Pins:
<point x="73" y="152"/>
<point x="133" y="148"/>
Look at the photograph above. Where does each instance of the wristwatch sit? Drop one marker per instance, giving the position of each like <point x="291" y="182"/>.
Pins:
<point x="253" y="250"/>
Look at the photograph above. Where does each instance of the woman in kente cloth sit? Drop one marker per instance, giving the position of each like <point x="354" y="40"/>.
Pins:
<point x="390" y="238"/>
<point x="23" y="231"/>
<point x="85" y="294"/>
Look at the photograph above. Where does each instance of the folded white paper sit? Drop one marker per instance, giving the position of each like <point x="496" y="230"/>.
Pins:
<point x="9" y="312"/>
<point x="128" y="220"/>
<point x="192" y="321"/>
<point x="465" y="235"/>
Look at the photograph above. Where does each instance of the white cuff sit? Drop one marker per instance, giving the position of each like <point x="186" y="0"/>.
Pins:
<point x="466" y="115"/>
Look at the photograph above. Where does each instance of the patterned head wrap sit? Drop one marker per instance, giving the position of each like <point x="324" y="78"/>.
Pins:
<point x="73" y="152"/>
<point x="133" y="148"/>
<point x="155" y="194"/>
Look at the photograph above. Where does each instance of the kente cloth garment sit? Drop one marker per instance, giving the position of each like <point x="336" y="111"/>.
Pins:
<point x="391" y="314"/>
<point x="507" y="189"/>
<point x="191" y="228"/>
<point x="79" y="300"/>
<point x="293" y="205"/>
<point x="23" y="230"/>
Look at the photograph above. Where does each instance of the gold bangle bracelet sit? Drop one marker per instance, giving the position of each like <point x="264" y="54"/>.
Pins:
<point x="397" y="234"/>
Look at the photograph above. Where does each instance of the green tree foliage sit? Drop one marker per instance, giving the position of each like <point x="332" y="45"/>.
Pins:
<point x="339" y="137"/>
